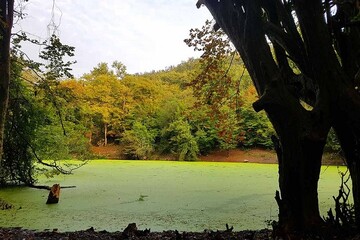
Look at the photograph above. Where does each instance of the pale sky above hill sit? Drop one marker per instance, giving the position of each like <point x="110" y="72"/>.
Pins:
<point x="145" y="35"/>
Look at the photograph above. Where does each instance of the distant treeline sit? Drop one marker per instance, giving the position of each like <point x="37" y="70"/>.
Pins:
<point x="148" y="114"/>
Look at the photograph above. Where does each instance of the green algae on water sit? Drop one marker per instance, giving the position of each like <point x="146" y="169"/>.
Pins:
<point x="190" y="196"/>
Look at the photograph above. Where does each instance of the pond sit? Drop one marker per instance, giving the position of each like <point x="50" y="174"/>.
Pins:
<point x="190" y="196"/>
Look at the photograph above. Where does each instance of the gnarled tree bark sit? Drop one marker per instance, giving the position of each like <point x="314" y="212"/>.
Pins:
<point x="6" y="22"/>
<point x="325" y="79"/>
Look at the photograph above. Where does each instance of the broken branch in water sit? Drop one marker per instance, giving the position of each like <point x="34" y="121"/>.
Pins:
<point x="46" y="187"/>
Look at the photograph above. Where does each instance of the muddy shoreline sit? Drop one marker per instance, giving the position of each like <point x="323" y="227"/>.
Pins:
<point x="255" y="155"/>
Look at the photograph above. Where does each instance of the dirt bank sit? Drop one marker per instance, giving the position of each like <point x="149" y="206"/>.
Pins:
<point x="233" y="155"/>
<point x="238" y="155"/>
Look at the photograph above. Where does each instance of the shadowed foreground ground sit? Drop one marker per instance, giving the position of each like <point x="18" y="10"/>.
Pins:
<point x="134" y="234"/>
<point x="13" y="233"/>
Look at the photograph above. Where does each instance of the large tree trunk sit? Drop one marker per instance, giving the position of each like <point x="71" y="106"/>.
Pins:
<point x="299" y="149"/>
<point x="347" y="128"/>
<point x="337" y="80"/>
<point x="105" y="133"/>
<point x="6" y="20"/>
<point x="347" y="120"/>
<point x="302" y="133"/>
<point x="299" y="171"/>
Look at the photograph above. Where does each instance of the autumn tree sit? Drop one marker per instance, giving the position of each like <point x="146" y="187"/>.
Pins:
<point x="117" y="69"/>
<point x="109" y="97"/>
<point x="157" y="105"/>
<point x="296" y="52"/>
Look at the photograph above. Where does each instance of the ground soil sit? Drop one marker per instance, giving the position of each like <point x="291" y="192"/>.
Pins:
<point x="135" y="234"/>
<point x="241" y="155"/>
<point x="234" y="155"/>
<point x="16" y="233"/>
<point x="109" y="152"/>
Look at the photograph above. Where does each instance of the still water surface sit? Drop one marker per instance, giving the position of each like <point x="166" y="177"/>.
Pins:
<point x="158" y="195"/>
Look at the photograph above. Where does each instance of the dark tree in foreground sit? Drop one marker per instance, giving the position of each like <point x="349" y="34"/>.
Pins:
<point x="23" y="84"/>
<point x="304" y="59"/>
<point x="6" y="22"/>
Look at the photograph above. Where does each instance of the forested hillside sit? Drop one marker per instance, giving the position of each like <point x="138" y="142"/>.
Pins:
<point x="182" y="112"/>
<point x="159" y="112"/>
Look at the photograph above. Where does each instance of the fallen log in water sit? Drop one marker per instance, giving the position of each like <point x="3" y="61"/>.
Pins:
<point x="54" y="194"/>
<point x="47" y="187"/>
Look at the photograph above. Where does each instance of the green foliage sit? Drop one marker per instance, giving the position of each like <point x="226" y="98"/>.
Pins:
<point x="54" y="53"/>
<point x="332" y="143"/>
<point x="118" y="70"/>
<point x="24" y="117"/>
<point x="206" y="133"/>
<point x="181" y="141"/>
<point x="51" y="143"/>
<point x="149" y="113"/>
<point x="34" y="132"/>
<point x="207" y="140"/>
<point x="35" y="126"/>
<point x="160" y="112"/>
<point x="139" y="142"/>
<point x="181" y="75"/>
<point x="256" y="129"/>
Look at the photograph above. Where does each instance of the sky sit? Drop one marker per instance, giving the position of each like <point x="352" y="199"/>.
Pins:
<point x="144" y="35"/>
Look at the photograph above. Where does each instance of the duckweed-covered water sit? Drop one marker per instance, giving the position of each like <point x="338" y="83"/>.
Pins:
<point x="157" y="195"/>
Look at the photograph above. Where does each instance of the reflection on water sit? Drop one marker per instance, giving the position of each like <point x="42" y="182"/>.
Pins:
<point x="179" y="195"/>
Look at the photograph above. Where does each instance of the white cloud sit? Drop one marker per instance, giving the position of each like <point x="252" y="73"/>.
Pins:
<point x="144" y="34"/>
